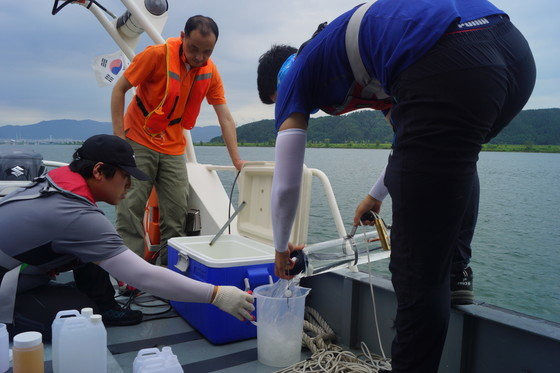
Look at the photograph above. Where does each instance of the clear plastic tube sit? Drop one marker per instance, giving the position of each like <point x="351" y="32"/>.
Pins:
<point x="339" y="253"/>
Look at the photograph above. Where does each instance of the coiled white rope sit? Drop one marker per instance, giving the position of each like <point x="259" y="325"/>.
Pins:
<point x="327" y="356"/>
<point x="373" y="298"/>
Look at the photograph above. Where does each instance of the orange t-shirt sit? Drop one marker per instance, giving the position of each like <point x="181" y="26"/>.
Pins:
<point x="148" y="73"/>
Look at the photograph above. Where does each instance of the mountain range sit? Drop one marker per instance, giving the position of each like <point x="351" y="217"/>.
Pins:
<point x="537" y="127"/>
<point x="68" y="129"/>
<point x="529" y="127"/>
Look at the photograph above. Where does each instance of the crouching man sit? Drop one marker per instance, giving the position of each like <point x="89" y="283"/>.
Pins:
<point x="55" y="225"/>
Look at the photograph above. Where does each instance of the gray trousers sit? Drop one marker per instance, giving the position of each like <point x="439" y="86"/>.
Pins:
<point x="168" y="174"/>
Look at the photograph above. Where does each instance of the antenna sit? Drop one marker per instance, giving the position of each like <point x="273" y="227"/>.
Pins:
<point x="57" y="8"/>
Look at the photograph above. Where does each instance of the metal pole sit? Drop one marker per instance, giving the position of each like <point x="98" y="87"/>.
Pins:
<point x="112" y="31"/>
<point x="228" y="222"/>
<point x="144" y="21"/>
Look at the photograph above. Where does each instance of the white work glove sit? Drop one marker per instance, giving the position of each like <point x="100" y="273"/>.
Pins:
<point x="234" y="301"/>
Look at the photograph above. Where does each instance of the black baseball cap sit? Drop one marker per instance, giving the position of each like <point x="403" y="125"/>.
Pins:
<point x="112" y="150"/>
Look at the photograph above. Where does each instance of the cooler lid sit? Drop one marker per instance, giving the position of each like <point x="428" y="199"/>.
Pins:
<point x="254" y="221"/>
<point x="227" y="251"/>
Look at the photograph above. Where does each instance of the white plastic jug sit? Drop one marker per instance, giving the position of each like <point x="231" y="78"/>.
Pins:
<point x="87" y="312"/>
<point x="55" y="328"/>
<point x="152" y="360"/>
<point x="279" y="326"/>
<point x="4" y="349"/>
<point x="79" y="343"/>
<point x="98" y="356"/>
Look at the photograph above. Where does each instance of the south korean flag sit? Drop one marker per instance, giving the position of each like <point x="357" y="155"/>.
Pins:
<point x="109" y="67"/>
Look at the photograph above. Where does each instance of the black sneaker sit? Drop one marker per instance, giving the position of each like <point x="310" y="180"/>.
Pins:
<point x="128" y="290"/>
<point x="462" y="287"/>
<point x="118" y="316"/>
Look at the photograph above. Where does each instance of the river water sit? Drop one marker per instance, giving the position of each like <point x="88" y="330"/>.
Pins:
<point x="516" y="248"/>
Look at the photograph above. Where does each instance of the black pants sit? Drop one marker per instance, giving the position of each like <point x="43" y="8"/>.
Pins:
<point x="462" y="252"/>
<point x="36" y="309"/>
<point x="458" y="96"/>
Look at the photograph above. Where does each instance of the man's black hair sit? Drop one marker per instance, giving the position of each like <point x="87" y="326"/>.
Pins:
<point x="85" y="167"/>
<point x="205" y="25"/>
<point x="269" y="66"/>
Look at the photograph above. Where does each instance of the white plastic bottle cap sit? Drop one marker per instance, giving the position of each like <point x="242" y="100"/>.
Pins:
<point x="3" y="329"/>
<point x="27" y="339"/>
<point x="95" y="318"/>
<point x="87" y="312"/>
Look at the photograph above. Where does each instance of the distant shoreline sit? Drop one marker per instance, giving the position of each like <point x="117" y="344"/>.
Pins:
<point x="519" y="148"/>
<point x="528" y="148"/>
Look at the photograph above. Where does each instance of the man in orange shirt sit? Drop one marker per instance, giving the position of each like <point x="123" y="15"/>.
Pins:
<point x="171" y="82"/>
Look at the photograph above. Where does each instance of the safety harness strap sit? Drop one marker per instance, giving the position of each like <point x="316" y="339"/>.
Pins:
<point x="9" y="283"/>
<point x="29" y="196"/>
<point x="371" y="87"/>
<point x="8" y="290"/>
<point x="141" y="106"/>
<point x="146" y="113"/>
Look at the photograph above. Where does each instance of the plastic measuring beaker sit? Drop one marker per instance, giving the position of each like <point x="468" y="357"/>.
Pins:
<point x="279" y="326"/>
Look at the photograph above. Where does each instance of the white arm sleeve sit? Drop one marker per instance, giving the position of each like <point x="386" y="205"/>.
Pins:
<point x="284" y="198"/>
<point x="379" y="190"/>
<point x="130" y="268"/>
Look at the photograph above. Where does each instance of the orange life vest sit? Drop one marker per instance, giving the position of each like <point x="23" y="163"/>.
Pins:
<point x="167" y="113"/>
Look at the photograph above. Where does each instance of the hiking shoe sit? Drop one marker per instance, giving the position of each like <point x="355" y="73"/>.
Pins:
<point x="462" y="287"/>
<point x="118" y="316"/>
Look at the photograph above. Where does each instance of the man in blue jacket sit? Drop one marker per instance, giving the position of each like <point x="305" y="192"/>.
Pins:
<point x="449" y="75"/>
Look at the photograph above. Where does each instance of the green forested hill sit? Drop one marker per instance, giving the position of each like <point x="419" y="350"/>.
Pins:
<point x="538" y="127"/>
<point x="535" y="127"/>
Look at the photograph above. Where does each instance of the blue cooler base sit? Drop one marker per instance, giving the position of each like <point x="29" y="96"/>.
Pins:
<point x="216" y="325"/>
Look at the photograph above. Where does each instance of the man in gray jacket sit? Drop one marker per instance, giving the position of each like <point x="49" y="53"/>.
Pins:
<point x="55" y="225"/>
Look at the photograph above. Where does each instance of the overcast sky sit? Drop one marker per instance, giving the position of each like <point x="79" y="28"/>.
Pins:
<point x="46" y="60"/>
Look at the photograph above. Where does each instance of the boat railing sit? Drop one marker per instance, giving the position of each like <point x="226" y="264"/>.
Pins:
<point x="54" y="164"/>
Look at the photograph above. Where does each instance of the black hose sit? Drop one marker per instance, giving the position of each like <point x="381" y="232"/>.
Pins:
<point x="230" y="196"/>
<point x="57" y="8"/>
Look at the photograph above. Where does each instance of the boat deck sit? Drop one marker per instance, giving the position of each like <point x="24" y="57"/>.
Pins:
<point x="194" y="352"/>
<point x="481" y="338"/>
